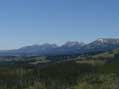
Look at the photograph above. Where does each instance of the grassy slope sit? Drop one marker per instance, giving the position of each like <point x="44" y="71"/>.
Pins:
<point x="65" y="75"/>
<point x="109" y="54"/>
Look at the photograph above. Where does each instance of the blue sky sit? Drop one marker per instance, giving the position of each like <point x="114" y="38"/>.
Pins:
<point x="27" y="22"/>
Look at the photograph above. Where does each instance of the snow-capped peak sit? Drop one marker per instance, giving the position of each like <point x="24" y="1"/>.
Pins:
<point x="100" y="40"/>
<point x="73" y="43"/>
<point x="107" y="41"/>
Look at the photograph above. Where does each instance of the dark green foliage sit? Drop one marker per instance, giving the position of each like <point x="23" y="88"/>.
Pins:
<point x="89" y="73"/>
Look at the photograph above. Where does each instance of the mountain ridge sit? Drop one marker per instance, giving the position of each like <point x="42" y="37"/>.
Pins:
<point x="70" y="47"/>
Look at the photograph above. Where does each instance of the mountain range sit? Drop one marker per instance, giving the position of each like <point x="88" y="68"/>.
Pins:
<point x="101" y="44"/>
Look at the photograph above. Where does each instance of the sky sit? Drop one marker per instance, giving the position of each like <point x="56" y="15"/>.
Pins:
<point x="28" y="22"/>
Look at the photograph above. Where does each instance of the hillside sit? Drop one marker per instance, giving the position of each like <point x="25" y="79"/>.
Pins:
<point x="60" y="72"/>
<point x="109" y="54"/>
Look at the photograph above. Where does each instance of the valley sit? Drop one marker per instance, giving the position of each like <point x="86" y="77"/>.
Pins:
<point x="86" y="71"/>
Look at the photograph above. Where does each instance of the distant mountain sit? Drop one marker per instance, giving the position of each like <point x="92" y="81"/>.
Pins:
<point x="73" y="44"/>
<point x="71" y="47"/>
<point x="103" y="41"/>
<point x="102" y="44"/>
<point x="38" y="48"/>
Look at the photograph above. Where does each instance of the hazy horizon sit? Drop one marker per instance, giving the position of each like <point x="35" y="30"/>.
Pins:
<point x="28" y="22"/>
<point x="61" y="44"/>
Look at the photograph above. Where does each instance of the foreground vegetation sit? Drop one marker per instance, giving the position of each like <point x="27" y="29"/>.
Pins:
<point x="93" y="72"/>
<point x="67" y="75"/>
